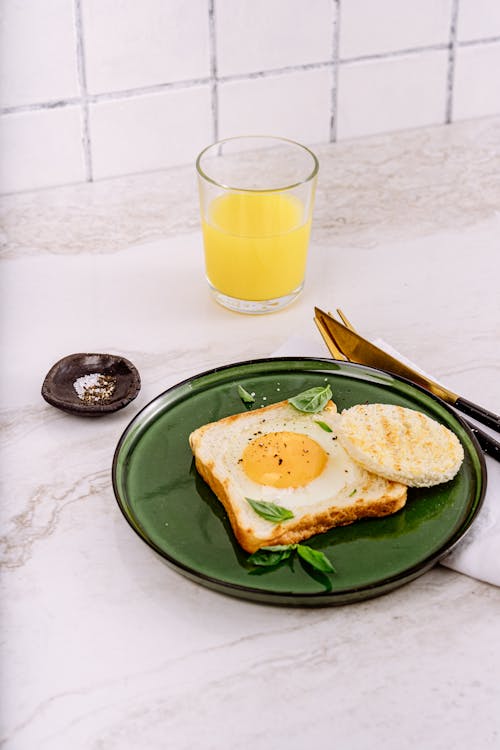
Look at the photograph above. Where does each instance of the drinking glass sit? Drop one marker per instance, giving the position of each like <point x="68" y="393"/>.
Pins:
<point x="256" y="203"/>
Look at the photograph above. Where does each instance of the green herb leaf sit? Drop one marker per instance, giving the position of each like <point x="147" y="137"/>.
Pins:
<point x="324" y="426"/>
<point x="315" y="558"/>
<point x="277" y="553"/>
<point x="273" y="555"/>
<point x="245" y="396"/>
<point x="270" y="511"/>
<point x="312" y="400"/>
<point x="352" y="493"/>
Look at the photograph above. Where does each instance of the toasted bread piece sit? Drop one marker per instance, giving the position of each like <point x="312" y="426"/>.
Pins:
<point x="400" y="444"/>
<point x="341" y="493"/>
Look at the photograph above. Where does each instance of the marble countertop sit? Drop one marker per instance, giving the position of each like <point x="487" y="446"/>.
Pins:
<point x="104" y="647"/>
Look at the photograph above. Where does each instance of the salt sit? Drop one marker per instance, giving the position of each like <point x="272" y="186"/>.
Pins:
<point x="95" y="387"/>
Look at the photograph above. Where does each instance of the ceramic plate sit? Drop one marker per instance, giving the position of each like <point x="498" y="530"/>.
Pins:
<point x="174" y="511"/>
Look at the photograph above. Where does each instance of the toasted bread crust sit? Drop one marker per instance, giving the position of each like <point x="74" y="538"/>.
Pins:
<point x="220" y="489"/>
<point x="319" y="523"/>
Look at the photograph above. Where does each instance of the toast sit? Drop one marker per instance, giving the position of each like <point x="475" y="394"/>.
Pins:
<point x="400" y="444"/>
<point x="293" y="460"/>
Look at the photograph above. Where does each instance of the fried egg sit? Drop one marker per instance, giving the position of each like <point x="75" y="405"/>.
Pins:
<point x="292" y="459"/>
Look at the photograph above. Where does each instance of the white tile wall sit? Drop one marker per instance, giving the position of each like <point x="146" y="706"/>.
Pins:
<point x="254" y="35"/>
<point x="295" y="105"/>
<point x="37" y="52"/>
<point x="477" y="81"/>
<point x="478" y="19"/>
<point x="131" y="44"/>
<point x="149" y="132"/>
<point x="40" y="149"/>
<point x="391" y="94"/>
<point x="95" y="88"/>
<point x="370" y="27"/>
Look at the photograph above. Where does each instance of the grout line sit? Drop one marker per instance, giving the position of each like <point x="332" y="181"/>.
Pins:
<point x="156" y="88"/>
<point x="393" y="54"/>
<point x="82" y="80"/>
<point x="486" y="40"/>
<point x="54" y="104"/>
<point x="108" y="96"/>
<point x="418" y="50"/>
<point x="214" y="88"/>
<point x="159" y="88"/>
<point x="274" y="71"/>
<point x="335" y="71"/>
<point x="452" y="50"/>
<point x="214" y="79"/>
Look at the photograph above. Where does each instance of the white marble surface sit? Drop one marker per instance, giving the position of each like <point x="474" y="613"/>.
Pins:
<point x="104" y="647"/>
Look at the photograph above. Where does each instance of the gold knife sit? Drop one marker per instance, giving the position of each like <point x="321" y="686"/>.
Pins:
<point x="357" y="349"/>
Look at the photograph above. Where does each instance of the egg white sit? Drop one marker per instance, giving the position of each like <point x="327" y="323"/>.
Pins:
<point x="338" y="479"/>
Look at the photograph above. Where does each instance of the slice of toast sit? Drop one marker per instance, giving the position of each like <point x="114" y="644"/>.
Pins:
<point x="342" y="491"/>
<point x="400" y="444"/>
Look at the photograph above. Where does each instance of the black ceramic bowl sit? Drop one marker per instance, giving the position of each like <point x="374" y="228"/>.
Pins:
<point x="59" y="390"/>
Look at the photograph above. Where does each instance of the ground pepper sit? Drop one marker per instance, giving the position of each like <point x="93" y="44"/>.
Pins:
<point x="95" y="388"/>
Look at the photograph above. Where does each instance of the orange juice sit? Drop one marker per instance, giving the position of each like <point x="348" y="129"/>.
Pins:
<point x="256" y="244"/>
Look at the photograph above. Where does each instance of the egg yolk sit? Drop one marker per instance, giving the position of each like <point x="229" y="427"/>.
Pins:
<point x="283" y="459"/>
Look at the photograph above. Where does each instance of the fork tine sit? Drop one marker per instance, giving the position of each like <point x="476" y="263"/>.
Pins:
<point x="345" y="321"/>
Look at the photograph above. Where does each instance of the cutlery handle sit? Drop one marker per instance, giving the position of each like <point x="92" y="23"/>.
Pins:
<point x="489" y="446"/>
<point x="477" y="412"/>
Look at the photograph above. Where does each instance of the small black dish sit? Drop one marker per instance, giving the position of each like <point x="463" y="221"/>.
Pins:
<point x="120" y="375"/>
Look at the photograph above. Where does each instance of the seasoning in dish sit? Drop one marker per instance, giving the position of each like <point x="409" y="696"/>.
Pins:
<point x="95" y="387"/>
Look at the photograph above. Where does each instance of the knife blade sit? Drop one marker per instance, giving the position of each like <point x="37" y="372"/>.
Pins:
<point x="360" y="350"/>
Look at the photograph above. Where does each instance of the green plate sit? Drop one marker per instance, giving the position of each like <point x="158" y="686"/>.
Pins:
<point x="175" y="512"/>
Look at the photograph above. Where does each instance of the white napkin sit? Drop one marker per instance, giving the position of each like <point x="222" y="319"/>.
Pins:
<point x="478" y="553"/>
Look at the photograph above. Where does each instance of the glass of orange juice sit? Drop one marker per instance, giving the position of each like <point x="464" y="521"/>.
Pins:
<point x="256" y="203"/>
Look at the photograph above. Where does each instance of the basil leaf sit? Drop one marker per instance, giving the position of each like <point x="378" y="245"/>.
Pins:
<point x="245" y="396"/>
<point x="324" y="426"/>
<point x="316" y="559"/>
<point x="270" y="511"/>
<point x="312" y="400"/>
<point x="273" y="555"/>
